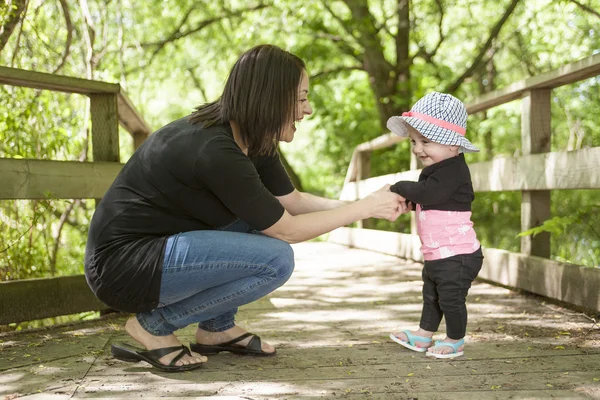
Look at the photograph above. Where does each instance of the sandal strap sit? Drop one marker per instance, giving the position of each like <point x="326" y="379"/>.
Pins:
<point x="237" y="339"/>
<point x="157" y="354"/>
<point x="414" y="338"/>
<point x="254" y="344"/>
<point x="454" y="346"/>
<point x="184" y="352"/>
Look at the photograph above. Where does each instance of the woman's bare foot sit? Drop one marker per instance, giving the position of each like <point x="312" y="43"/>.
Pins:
<point x="206" y="337"/>
<point x="151" y="342"/>
<point x="447" y="349"/>
<point x="419" y="332"/>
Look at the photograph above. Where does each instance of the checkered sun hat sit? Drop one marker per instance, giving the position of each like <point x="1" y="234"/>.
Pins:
<point x="440" y="117"/>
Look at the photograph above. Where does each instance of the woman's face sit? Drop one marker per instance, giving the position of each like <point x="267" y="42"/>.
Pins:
<point x="302" y="108"/>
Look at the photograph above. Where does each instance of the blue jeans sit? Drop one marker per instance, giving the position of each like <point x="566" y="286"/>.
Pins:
<point x="208" y="274"/>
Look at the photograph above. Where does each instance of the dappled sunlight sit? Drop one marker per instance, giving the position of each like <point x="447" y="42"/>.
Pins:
<point x="330" y="324"/>
<point x="330" y="316"/>
<point x="11" y="377"/>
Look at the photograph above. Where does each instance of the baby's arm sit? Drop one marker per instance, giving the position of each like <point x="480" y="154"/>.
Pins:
<point x="437" y="188"/>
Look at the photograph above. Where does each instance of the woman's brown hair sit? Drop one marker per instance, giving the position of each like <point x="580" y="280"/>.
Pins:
<point x="260" y="95"/>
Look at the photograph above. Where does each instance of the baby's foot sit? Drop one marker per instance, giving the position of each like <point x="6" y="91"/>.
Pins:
<point x="419" y="340"/>
<point x="447" y="348"/>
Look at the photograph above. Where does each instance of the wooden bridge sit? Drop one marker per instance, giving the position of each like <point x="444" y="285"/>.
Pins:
<point x="331" y="321"/>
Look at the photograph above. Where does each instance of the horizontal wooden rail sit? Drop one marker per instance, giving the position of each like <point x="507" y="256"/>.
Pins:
<point x="570" y="283"/>
<point x="576" y="169"/>
<point x="31" y="299"/>
<point x="42" y="179"/>
<point x="129" y="118"/>
<point x="58" y="83"/>
<point x="570" y="73"/>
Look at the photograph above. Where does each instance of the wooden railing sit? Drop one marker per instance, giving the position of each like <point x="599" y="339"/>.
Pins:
<point x="25" y="300"/>
<point x="536" y="173"/>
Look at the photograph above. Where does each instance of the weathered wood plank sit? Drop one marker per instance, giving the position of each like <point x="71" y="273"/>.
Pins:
<point x="31" y="299"/>
<point x="128" y="116"/>
<point x="536" y="136"/>
<point x="565" y="282"/>
<point x="578" y="169"/>
<point x="42" y="179"/>
<point x="570" y="73"/>
<point x="59" y="83"/>
<point x="393" y="385"/>
<point x="132" y="121"/>
<point x="105" y="127"/>
<point x="380" y="142"/>
<point x="539" y="351"/>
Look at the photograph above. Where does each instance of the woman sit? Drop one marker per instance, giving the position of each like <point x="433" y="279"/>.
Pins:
<point x="199" y="220"/>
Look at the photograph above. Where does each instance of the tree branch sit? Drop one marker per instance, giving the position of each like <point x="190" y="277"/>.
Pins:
<point x="586" y="8"/>
<point x="402" y="36"/>
<point x="320" y="31"/>
<point x="198" y="85"/>
<point x="343" y="23"/>
<point x="428" y="55"/>
<point x="61" y="223"/>
<point x="321" y="74"/>
<point x="478" y="59"/>
<point x="177" y="34"/>
<point x="14" y="17"/>
<point x="441" y="32"/>
<point x="69" y="26"/>
<point x="18" y="43"/>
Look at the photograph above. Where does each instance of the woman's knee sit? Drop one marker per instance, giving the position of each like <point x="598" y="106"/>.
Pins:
<point x="282" y="261"/>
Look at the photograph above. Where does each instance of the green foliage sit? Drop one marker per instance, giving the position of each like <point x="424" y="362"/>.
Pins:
<point x="172" y="56"/>
<point x="575" y="236"/>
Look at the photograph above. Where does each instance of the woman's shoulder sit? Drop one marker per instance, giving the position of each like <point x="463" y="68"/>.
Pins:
<point x="185" y="135"/>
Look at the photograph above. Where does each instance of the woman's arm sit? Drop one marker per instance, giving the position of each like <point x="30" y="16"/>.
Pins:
<point x="303" y="203"/>
<point x="298" y="228"/>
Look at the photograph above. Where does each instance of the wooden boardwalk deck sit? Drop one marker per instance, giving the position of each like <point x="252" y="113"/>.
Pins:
<point x="330" y="323"/>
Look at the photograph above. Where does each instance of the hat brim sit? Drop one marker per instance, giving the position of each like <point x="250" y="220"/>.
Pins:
<point x="435" y="133"/>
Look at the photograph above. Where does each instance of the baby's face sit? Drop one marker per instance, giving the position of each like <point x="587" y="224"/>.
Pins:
<point x="427" y="151"/>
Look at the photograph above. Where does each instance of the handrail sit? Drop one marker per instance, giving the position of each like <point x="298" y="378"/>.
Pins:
<point x="36" y="179"/>
<point x="129" y="117"/>
<point x="535" y="173"/>
<point x="570" y="73"/>
<point x="585" y="68"/>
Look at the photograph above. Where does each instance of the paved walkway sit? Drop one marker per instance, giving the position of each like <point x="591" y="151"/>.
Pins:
<point x="330" y="323"/>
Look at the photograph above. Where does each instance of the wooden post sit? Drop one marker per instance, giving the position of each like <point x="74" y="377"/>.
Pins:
<point x="105" y="127"/>
<point x="138" y="139"/>
<point x="363" y="171"/>
<point x="535" y="138"/>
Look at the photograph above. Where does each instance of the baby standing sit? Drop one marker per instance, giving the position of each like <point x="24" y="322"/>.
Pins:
<point x="436" y="126"/>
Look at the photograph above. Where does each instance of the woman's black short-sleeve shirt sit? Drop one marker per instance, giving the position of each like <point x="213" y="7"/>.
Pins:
<point x="182" y="178"/>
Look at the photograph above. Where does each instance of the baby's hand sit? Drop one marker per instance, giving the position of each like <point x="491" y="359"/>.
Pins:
<point x="404" y="206"/>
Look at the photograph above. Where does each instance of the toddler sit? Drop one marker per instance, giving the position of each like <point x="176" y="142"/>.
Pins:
<point x="436" y="126"/>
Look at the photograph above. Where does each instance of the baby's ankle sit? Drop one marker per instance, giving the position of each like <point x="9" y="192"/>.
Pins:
<point x="423" y="332"/>
<point x="447" y="339"/>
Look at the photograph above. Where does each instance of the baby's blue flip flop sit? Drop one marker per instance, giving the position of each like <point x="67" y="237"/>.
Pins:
<point x="454" y="346"/>
<point x="411" y="341"/>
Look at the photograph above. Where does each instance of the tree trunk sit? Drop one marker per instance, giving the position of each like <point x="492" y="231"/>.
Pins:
<point x="390" y="83"/>
<point x="13" y="19"/>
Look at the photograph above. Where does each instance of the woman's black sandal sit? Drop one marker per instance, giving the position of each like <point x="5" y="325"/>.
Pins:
<point x="254" y="347"/>
<point x="127" y="353"/>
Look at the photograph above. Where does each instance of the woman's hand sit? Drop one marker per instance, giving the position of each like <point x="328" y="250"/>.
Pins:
<point x="385" y="204"/>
